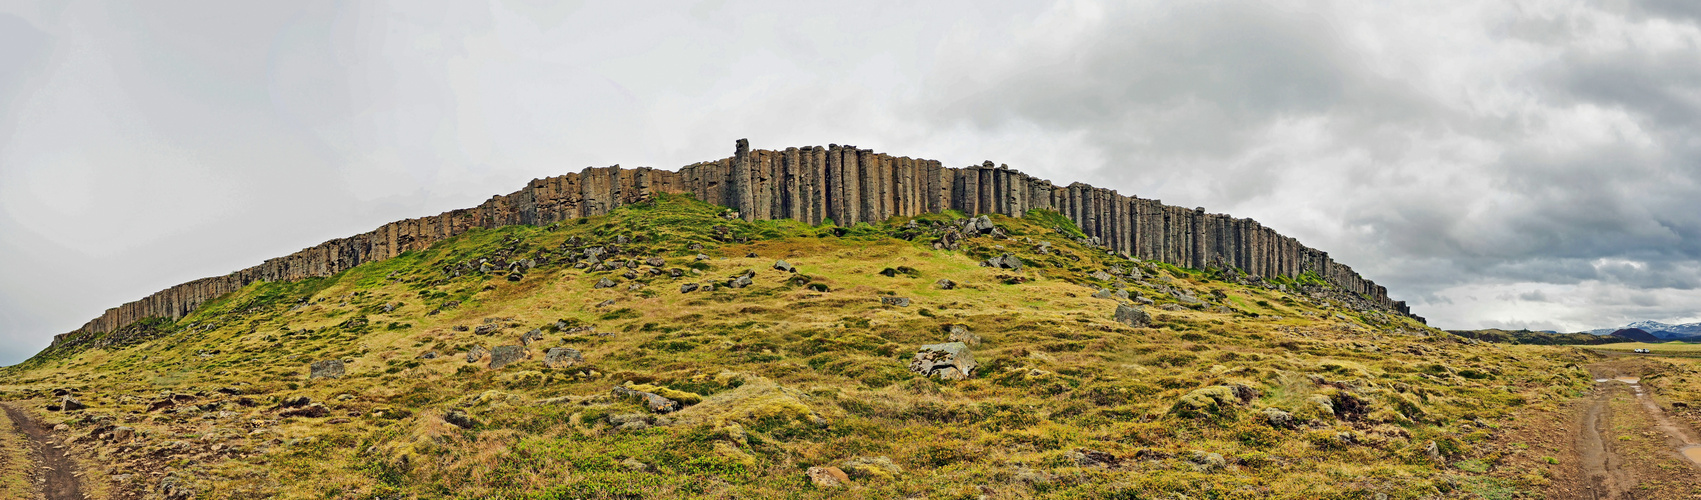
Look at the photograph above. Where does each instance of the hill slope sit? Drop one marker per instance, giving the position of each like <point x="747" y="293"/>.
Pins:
<point x="1233" y="387"/>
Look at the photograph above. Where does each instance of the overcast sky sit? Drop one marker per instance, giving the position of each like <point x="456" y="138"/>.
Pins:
<point x="1496" y="164"/>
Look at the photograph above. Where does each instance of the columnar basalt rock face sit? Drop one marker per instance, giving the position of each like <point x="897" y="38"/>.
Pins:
<point x="812" y="184"/>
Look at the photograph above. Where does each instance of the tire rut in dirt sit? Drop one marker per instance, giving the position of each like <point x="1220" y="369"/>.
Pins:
<point x="53" y="463"/>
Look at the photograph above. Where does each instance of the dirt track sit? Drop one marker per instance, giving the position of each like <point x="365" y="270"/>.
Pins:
<point x="57" y="474"/>
<point x="1627" y="447"/>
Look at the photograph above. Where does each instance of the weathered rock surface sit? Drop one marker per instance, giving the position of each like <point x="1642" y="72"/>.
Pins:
<point x="948" y="361"/>
<point x="605" y="283"/>
<point x="895" y="301"/>
<point x="1132" y="315"/>
<point x="504" y="355"/>
<point x="330" y="368"/>
<point x="827" y="477"/>
<point x="654" y="402"/>
<point x="561" y="357"/>
<point x="477" y="353"/>
<point x="784" y="266"/>
<point x="960" y="333"/>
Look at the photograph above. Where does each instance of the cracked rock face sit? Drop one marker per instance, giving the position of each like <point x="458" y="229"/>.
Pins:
<point x="948" y="361"/>
<point x="1134" y="316"/>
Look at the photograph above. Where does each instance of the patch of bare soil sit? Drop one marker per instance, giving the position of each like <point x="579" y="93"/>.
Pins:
<point x="57" y="475"/>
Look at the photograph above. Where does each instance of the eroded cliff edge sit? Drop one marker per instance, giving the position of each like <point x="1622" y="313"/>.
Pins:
<point x="811" y="184"/>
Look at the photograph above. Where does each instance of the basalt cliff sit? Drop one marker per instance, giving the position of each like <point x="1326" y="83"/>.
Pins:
<point x="814" y="184"/>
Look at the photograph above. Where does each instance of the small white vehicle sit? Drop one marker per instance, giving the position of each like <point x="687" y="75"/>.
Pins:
<point x="1640" y="351"/>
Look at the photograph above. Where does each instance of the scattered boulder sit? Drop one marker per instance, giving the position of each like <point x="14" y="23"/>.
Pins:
<point x="675" y="272"/>
<point x="895" y="301"/>
<point x="784" y="266"/>
<point x="948" y="361"/>
<point x="605" y="283"/>
<point x="1104" y="293"/>
<point x="295" y="402"/>
<point x="121" y="433"/>
<point x="313" y="410"/>
<point x="688" y="287"/>
<point x="827" y="477"/>
<point x="1091" y="458"/>
<point x="1205" y="462"/>
<point x="536" y="335"/>
<point x="960" y="333"/>
<point x="865" y="468"/>
<point x="71" y="404"/>
<point x="655" y="261"/>
<point x="561" y="357"/>
<point x="1005" y="261"/>
<point x="504" y="355"/>
<point x="329" y="368"/>
<point x="1171" y="307"/>
<point x="477" y="353"/>
<point x="655" y="402"/>
<point x="635" y="286"/>
<point x="1278" y="418"/>
<point x="459" y="418"/>
<point x="743" y="280"/>
<point x="1102" y="276"/>
<point x="702" y="257"/>
<point x="1132" y="315"/>
<point x="429" y="355"/>
<point x="1214" y="401"/>
<point x="945" y="284"/>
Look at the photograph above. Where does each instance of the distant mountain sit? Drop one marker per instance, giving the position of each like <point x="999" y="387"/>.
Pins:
<point x="1636" y="334"/>
<point x="1686" y="331"/>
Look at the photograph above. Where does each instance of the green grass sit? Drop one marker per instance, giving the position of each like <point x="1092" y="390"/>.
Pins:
<point x="791" y="377"/>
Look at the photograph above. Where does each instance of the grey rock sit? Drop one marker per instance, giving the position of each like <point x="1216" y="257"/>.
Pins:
<point x="1104" y="293"/>
<point x="739" y="282"/>
<point x="1132" y="315"/>
<point x="948" y="361"/>
<point x="536" y="335"/>
<point x="330" y="368"/>
<point x="784" y="266"/>
<point x="605" y="283"/>
<point x="654" y="402"/>
<point x="1102" y="276"/>
<point x="71" y="404"/>
<point x="459" y="418"/>
<point x="688" y="288"/>
<point x="1144" y="300"/>
<point x="1091" y="458"/>
<point x="827" y="477"/>
<point x="895" y="301"/>
<point x="945" y="284"/>
<point x="960" y="333"/>
<point x="561" y="357"/>
<point x="476" y="353"/>
<point x="1005" y="261"/>
<point x="1171" y="307"/>
<point x="504" y="355"/>
<point x="295" y="402"/>
<point x="1278" y="418"/>
<point x="429" y="355"/>
<point x="1206" y="461"/>
<point x="872" y="467"/>
<point x="702" y="257"/>
<point x="655" y="261"/>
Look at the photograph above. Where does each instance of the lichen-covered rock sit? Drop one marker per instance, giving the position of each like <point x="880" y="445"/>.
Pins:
<point x="1005" y="261"/>
<point x="827" y="477"/>
<point x="1132" y="315"/>
<point x="945" y="284"/>
<point x="895" y="301"/>
<point x="561" y="357"/>
<point x="960" y="333"/>
<point x="605" y="283"/>
<point x="784" y="266"/>
<point x="1278" y="418"/>
<point x="476" y="353"/>
<point x="865" y="468"/>
<point x="329" y="368"/>
<point x="655" y="402"/>
<point x="948" y="361"/>
<point x="688" y="287"/>
<point x="535" y="335"/>
<point x="504" y="355"/>
<point x="1213" y="401"/>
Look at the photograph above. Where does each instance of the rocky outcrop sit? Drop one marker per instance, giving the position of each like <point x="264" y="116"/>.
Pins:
<point x="812" y="184"/>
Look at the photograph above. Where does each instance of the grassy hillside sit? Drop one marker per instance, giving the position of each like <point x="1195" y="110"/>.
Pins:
<point x="1233" y="391"/>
